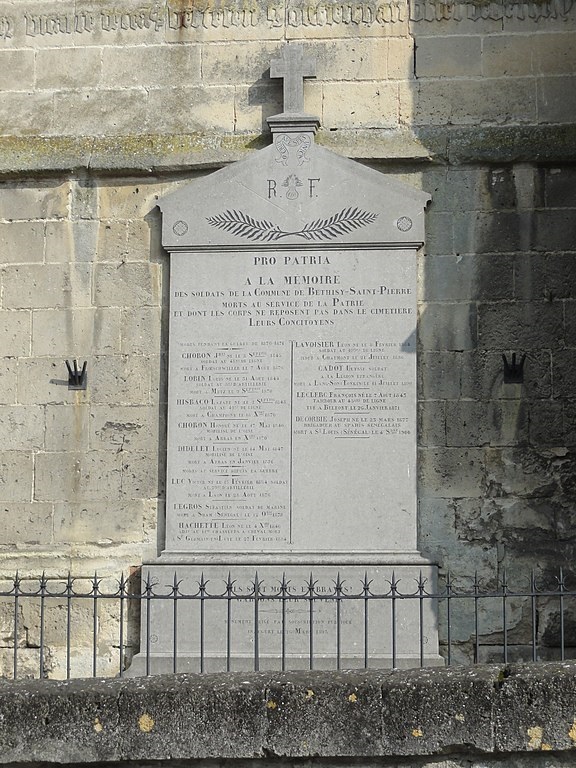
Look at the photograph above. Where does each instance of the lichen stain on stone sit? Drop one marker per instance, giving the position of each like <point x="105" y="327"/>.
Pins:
<point x="535" y="735"/>
<point x="118" y="432"/>
<point x="572" y="731"/>
<point x="353" y="698"/>
<point x="546" y="747"/>
<point x="271" y="704"/>
<point x="98" y="727"/>
<point x="417" y="733"/>
<point x="145" y="723"/>
<point x="120" y="152"/>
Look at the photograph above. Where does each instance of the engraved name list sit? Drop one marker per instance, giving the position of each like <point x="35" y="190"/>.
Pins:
<point x="285" y="370"/>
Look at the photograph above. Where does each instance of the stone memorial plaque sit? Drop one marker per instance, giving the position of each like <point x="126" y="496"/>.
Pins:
<point x="292" y="389"/>
<point x="291" y="411"/>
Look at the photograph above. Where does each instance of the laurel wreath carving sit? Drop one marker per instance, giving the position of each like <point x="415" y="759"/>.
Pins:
<point x="243" y="225"/>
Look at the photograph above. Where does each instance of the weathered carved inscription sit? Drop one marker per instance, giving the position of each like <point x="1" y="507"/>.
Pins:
<point x="231" y="14"/>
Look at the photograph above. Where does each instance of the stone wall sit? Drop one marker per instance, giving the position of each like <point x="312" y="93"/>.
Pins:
<point x="398" y="75"/>
<point x="105" y="107"/>
<point x="490" y="716"/>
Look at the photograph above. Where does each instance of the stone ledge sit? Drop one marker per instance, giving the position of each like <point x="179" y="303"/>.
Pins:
<point x="144" y="154"/>
<point x="485" y="710"/>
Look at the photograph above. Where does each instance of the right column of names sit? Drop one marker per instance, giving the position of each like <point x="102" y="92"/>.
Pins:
<point x="355" y="392"/>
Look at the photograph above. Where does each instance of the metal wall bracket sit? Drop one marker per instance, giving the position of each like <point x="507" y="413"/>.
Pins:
<point x="77" y="378"/>
<point x="513" y="370"/>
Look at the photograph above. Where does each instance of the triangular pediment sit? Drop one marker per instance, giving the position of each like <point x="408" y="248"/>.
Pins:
<point x="293" y="192"/>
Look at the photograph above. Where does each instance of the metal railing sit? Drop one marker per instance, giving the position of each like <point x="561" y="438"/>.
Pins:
<point x="78" y="627"/>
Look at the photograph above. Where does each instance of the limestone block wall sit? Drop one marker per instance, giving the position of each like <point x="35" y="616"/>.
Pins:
<point x="497" y="458"/>
<point x="80" y="469"/>
<point x="106" y="106"/>
<point x="102" y="69"/>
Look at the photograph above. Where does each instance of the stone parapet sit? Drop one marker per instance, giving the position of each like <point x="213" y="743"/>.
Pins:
<point x="490" y="712"/>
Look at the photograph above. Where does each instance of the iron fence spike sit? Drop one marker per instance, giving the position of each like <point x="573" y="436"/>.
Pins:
<point x="278" y="594"/>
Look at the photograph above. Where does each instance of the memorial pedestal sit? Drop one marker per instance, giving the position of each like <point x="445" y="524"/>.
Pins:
<point x="305" y="615"/>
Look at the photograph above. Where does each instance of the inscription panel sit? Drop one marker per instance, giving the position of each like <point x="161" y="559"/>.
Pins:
<point x="292" y="401"/>
<point x="312" y="619"/>
<point x="171" y="21"/>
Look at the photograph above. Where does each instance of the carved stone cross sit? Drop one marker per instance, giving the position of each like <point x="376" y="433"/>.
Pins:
<point x="293" y="67"/>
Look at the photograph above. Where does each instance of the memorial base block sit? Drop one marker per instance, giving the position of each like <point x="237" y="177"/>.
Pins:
<point x="206" y="617"/>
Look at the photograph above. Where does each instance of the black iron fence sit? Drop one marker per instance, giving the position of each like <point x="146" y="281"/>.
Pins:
<point x="79" y="627"/>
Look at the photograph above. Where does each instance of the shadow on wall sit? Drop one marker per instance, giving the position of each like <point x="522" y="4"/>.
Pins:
<point x="498" y="277"/>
